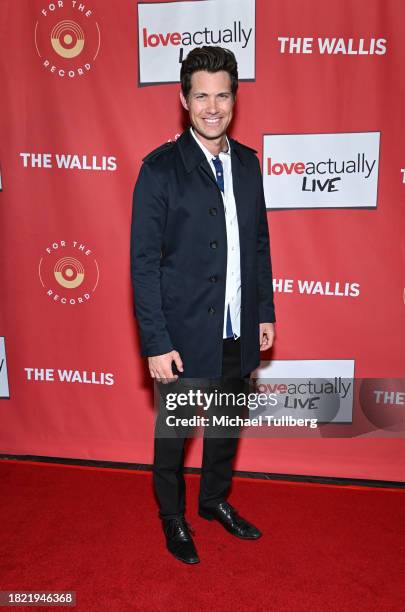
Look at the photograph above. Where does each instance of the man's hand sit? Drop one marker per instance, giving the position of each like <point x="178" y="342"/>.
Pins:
<point x="160" y="366"/>
<point x="266" y="335"/>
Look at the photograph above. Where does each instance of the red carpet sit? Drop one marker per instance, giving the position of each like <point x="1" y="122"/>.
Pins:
<point x="325" y="548"/>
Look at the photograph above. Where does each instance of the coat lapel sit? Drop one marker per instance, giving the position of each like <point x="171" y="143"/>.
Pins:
<point x="194" y="157"/>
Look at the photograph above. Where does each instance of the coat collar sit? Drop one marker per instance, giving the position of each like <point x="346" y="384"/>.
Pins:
<point x="192" y="155"/>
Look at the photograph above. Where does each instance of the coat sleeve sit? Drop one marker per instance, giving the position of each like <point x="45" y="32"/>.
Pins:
<point x="265" y="276"/>
<point x="149" y="213"/>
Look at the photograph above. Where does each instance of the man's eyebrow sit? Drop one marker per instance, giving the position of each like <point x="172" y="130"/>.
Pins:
<point x="204" y="93"/>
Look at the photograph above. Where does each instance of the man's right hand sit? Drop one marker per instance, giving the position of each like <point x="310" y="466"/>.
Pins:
<point x="160" y="366"/>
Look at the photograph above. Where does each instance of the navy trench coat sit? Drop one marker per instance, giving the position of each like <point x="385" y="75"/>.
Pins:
<point x="179" y="255"/>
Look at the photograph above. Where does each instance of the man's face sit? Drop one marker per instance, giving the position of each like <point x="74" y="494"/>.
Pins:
<point x="209" y="103"/>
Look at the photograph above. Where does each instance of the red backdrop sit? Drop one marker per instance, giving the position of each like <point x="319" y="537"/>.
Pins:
<point x="104" y="115"/>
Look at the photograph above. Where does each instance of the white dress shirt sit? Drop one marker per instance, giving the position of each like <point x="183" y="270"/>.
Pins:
<point x="233" y="284"/>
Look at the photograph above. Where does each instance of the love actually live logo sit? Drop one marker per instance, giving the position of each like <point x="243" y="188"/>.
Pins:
<point x="236" y="33"/>
<point x="316" y="168"/>
<point x="169" y="30"/>
<point x="321" y="170"/>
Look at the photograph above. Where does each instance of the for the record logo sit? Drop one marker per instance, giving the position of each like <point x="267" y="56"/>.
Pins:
<point x="68" y="272"/>
<point x="321" y="170"/>
<point x="169" y="30"/>
<point x="4" y="390"/>
<point x="67" y="38"/>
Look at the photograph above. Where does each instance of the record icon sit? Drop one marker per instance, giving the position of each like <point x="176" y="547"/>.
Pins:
<point x="69" y="272"/>
<point x="67" y="38"/>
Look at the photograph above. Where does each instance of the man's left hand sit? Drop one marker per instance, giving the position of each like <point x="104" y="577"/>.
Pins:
<point x="266" y="335"/>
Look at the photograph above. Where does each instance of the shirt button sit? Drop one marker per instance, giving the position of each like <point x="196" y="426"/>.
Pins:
<point x="213" y="279"/>
<point x="213" y="211"/>
<point x="213" y="244"/>
<point x="211" y="310"/>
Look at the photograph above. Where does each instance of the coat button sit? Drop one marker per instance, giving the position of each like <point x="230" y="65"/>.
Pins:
<point x="213" y="279"/>
<point x="211" y="310"/>
<point x="213" y="244"/>
<point x="213" y="211"/>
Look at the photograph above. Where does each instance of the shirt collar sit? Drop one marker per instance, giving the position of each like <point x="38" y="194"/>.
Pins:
<point x="207" y="153"/>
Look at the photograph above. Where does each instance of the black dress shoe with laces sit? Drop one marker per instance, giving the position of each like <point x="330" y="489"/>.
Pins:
<point x="229" y="518"/>
<point x="179" y="541"/>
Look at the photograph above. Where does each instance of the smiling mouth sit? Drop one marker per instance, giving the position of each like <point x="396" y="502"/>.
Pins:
<point x="212" y="121"/>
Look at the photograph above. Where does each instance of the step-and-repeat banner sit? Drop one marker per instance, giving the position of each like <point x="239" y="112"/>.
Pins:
<point x="88" y="89"/>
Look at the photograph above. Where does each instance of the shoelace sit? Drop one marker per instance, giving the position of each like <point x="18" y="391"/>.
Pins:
<point x="181" y="526"/>
<point x="230" y="509"/>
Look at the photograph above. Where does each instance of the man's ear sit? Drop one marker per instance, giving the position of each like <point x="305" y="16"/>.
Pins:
<point x="183" y="100"/>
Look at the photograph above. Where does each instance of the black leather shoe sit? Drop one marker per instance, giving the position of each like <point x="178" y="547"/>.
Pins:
<point x="229" y="518"/>
<point x="179" y="541"/>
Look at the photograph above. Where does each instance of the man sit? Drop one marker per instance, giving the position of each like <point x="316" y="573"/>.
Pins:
<point x="202" y="279"/>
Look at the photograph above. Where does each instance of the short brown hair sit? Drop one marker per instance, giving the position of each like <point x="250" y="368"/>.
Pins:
<point x="211" y="59"/>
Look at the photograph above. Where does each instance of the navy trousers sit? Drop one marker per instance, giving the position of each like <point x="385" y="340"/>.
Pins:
<point x="218" y="452"/>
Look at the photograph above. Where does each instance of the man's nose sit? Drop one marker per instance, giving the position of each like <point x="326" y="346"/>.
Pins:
<point x="212" y="105"/>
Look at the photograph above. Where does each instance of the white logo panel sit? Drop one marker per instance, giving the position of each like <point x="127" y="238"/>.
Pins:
<point x="321" y="389"/>
<point x="321" y="170"/>
<point x="168" y="31"/>
<point x="4" y="389"/>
